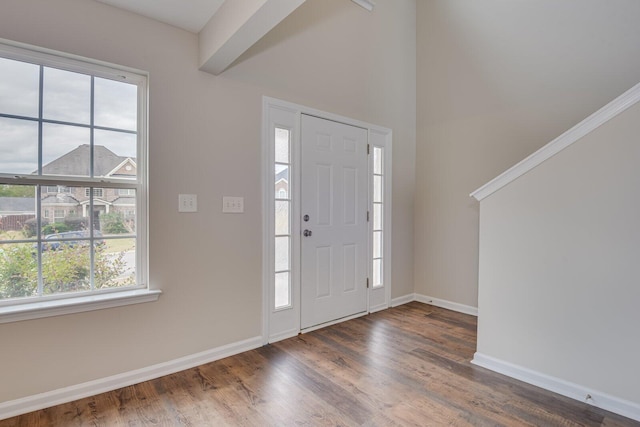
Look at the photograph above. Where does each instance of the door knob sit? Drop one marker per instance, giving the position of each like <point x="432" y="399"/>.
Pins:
<point x="306" y="233"/>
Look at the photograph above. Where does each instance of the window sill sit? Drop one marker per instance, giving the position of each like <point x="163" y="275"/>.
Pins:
<point x="37" y="310"/>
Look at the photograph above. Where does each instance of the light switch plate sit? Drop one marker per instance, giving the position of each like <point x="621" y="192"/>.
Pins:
<point x="187" y="203"/>
<point x="232" y="204"/>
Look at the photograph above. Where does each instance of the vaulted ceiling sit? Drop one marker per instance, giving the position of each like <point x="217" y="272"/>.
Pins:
<point x="226" y="29"/>
<point x="191" y="15"/>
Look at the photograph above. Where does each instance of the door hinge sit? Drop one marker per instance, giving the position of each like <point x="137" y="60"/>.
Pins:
<point x="368" y="150"/>
<point x="367" y="216"/>
<point x="367" y="283"/>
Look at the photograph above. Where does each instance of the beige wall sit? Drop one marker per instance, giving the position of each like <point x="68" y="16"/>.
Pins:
<point x="497" y="79"/>
<point x="205" y="139"/>
<point x="559" y="265"/>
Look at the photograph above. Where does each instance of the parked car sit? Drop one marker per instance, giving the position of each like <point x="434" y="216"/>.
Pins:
<point x="59" y="241"/>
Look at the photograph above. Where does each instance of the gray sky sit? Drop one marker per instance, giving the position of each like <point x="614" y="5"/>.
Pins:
<point x="66" y="97"/>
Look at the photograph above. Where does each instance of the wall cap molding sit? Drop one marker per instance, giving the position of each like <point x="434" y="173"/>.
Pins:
<point x="597" y="119"/>
<point x="574" y="391"/>
<point x="36" y="402"/>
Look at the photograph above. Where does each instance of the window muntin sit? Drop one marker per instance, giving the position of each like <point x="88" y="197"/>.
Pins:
<point x="283" y="238"/>
<point x="97" y="192"/>
<point x="65" y="122"/>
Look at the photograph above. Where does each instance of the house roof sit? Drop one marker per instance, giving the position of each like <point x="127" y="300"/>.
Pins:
<point x="78" y="162"/>
<point x="17" y="204"/>
<point x="59" y="199"/>
<point x="284" y="174"/>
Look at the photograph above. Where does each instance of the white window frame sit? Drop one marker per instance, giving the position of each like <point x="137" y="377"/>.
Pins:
<point x="380" y="296"/>
<point x="60" y="304"/>
<point x="284" y="323"/>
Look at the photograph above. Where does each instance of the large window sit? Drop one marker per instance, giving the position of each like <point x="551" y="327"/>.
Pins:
<point x="72" y="144"/>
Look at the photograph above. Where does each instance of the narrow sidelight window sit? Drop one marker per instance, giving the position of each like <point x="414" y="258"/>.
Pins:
<point x="378" y="209"/>
<point x="282" y="218"/>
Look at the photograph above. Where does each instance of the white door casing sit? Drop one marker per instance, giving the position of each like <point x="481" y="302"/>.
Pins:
<point x="335" y="232"/>
<point x="283" y="322"/>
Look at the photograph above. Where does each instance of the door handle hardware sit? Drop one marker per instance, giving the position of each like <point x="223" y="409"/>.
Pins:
<point x="307" y="233"/>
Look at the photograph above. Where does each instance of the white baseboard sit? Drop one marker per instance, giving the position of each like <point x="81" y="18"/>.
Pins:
<point x="406" y="299"/>
<point x="557" y="385"/>
<point x="449" y="305"/>
<point x="36" y="402"/>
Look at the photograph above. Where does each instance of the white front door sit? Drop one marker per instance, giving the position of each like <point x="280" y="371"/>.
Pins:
<point x="334" y="244"/>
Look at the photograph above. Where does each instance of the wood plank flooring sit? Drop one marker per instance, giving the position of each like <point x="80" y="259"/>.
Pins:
<point x="406" y="366"/>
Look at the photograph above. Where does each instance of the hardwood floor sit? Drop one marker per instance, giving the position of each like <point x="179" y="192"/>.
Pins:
<point x="404" y="366"/>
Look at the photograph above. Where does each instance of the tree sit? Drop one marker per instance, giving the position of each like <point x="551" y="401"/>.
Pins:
<point x="18" y="271"/>
<point x="64" y="270"/>
<point x="7" y="190"/>
<point x="112" y="223"/>
<point x="56" y="227"/>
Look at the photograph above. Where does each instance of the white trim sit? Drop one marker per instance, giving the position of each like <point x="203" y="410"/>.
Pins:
<point x="322" y="114"/>
<point x="79" y="304"/>
<point x="66" y="303"/>
<point x="449" y="305"/>
<point x="71" y="62"/>
<point x="333" y="322"/>
<point x="386" y="144"/>
<point x="36" y="402"/>
<point x="388" y="215"/>
<point x="406" y="299"/>
<point x="272" y="321"/>
<point x="266" y="225"/>
<point x="574" y="391"/>
<point x="597" y="119"/>
<point x="278" y="323"/>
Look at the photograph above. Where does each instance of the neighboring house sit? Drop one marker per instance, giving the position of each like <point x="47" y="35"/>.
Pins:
<point x="282" y="184"/>
<point x="59" y="202"/>
<point x="17" y="206"/>
<point x="14" y="211"/>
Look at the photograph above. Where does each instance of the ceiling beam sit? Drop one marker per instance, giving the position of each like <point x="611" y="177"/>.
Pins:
<point x="367" y="4"/>
<point x="235" y="27"/>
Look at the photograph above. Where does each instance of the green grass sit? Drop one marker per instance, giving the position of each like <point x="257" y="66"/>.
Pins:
<point x="11" y="235"/>
<point x="119" y="245"/>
